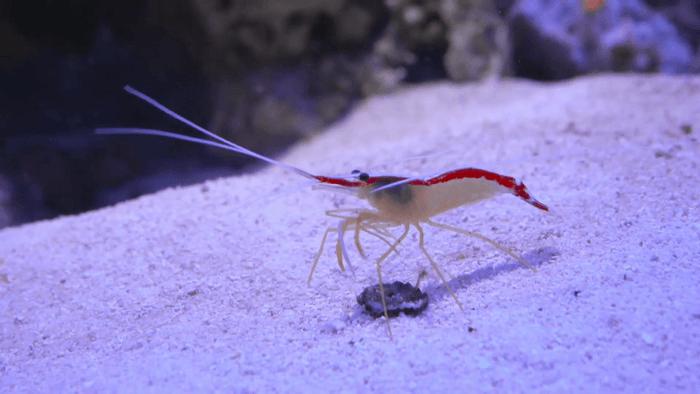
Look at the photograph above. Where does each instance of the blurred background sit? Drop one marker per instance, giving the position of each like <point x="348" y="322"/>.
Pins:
<point x="267" y="73"/>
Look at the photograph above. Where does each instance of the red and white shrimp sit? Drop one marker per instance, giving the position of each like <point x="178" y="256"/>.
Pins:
<point x="397" y="201"/>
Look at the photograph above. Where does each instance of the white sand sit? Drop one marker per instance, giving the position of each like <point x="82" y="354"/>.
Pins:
<point x="204" y="288"/>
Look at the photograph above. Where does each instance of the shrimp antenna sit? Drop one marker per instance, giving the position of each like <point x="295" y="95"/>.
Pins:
<point x="394" y="184"/>
<point x="225" y="144"/>
<point x="161" y="133"/>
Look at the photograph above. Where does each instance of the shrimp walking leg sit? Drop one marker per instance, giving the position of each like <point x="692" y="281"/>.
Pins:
<point x="379" y="275"/>
<point x="364" y="224"/>
<point x="380" y="233"/>
<point x="342" y="227"/>
<point x="481" y="237"/>
<point x="357" y="237"/>
<point x="363" y="219"/>
<point x="318" y="255"/>
<point x="376" y="229"/>
<point x="435" y="267"/>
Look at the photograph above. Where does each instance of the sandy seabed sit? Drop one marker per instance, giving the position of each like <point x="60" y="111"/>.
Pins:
<point x="204" y="288"/>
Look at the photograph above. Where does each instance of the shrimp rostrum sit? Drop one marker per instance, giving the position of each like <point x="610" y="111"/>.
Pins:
<point x="397" y="201"/>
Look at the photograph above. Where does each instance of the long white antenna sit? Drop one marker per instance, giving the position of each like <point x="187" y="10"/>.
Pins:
<point x="225" y="144"/>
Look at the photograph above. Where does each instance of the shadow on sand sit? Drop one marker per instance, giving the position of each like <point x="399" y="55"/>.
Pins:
<point x="535" y="258"/>
<point x="436" y="292"/>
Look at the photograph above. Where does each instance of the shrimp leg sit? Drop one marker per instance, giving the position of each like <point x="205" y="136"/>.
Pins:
<point x="362" y="221"/>
<point x="379" y="274"/>
<point x="340" y="246"/>
<point x="381" y="235"/>
<point x="318" y="255"/>
<point x="481" y="237"/>
<point x="357" y="237"/>
<point x="435" y="267"/>
<point x="375" y="227"/>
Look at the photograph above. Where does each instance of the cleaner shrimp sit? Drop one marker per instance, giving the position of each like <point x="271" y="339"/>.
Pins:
<point x="397" y="201"/>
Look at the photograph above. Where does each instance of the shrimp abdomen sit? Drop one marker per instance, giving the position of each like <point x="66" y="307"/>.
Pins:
<point x="419" y="200"/>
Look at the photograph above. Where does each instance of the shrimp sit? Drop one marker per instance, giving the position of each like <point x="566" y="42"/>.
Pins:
<point x="402" y="201"/>
<point x="397" y="201"/>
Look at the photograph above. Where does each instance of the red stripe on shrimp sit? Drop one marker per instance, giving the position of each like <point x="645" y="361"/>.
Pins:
<point x="517" y="187"/>
<point x="337" y="181"/>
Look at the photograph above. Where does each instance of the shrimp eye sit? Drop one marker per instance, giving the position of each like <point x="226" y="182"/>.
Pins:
<point x="363" y="176"/>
